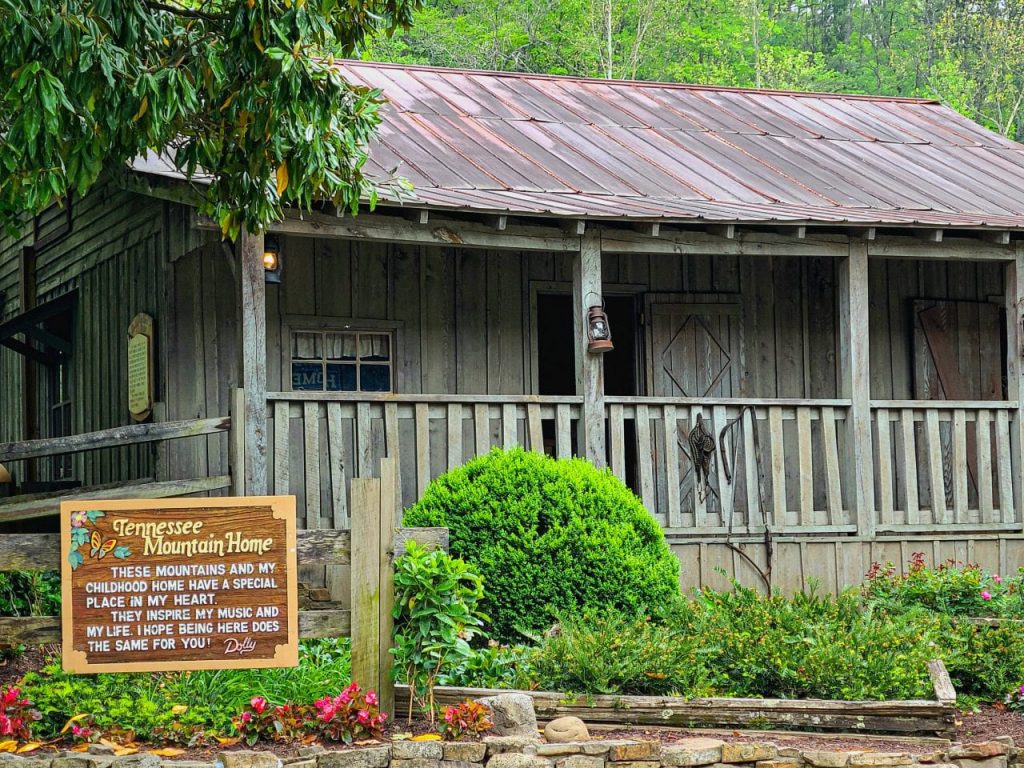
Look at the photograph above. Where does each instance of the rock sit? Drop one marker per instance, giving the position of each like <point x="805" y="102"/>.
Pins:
<point x="599" y="746"/>
<point x="566" y="729"/>
<point x="248" y="759"/>
<point x="497" y="745"/>
<point x="580" y="761"/>
<point x="515" y="760"/>
<point x="781" y="762"/>
<point x="560" y="750"/>
<point x="371" y="757"/>
<point x="140" y="760"/>
<point x="690" y="752"/>
<point x="872" y="759"/>
<point x="824" y="759"/>
<point x="101" y="749"/>
<point x="76" y="761"/>
<point x="512" y="714"/>
<point x="639" y="764"/>
<point x="748" y="752"/>
<point x="979" y="751"/>
<point x="312" y="751"/>
<point x="468" y="751"/>
<point x="415" y="762"/>
<point x="32" y="762"/>
<point x="991" y="762"/>
<point x="410" y="750"/>
<point x="634" y="750"/>
<point x="460" y="764"/>
<point x="791" y="752"/>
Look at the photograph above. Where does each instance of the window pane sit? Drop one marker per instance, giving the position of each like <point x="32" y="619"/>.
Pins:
<point x="375" y="378"/>
<point x="374" y="346"/>
<point x="341" y="346"/>
<point x="341" y="377"/>
<point x="307" y="346"/>
<point x="307" y="376"/>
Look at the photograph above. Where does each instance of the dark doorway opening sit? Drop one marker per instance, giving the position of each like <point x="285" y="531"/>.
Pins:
<point x="556" y="361"/>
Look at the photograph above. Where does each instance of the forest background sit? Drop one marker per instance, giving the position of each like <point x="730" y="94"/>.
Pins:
<point x="969" y="55"/>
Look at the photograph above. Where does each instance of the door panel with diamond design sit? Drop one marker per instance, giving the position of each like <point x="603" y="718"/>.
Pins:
<point x="693" y="345"/>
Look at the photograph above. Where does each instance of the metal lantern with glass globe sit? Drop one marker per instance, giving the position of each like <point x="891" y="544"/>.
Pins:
<point x="599" y="333"/>
<point x="271" y="259"/>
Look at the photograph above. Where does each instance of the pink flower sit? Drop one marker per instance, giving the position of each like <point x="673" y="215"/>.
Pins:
<point x="363" y="717"/>
<point x="371" y="698"/>
<point x="985" y="595"/>
<point x="997" y="579"/>
<point x="247" y="717"/>
<point x="259" y="704"/>
<point x="11" y="695"/>
<point x="78" y="519"/>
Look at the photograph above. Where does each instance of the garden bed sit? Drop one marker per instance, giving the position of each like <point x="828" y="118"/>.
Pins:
<point x="931" y="718"/>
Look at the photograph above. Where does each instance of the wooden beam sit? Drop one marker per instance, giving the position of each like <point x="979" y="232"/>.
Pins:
<point x="43" y="505"/>
<point x="929" y="235"/>
<point x="999" y="238"/>
<point x="252" y="357"/>
<point x="575" y="228"/>
<point x="586" y="291"/>
<point x="870" y="233"/>
<point x="499" y="222"/>
<point x="855" y="378"/>
<point x="728" y="231"/>
<point x="1014" y="280"/>
<point x="689" y="242"/>
<point x="110" y="438"/>
<point x="799" y="231"/>
<point x="951" y="248"/>
<point x="648" y="228"/>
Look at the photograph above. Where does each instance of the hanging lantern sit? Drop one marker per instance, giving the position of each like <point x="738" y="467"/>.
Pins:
<point x="599" y="334"/>
<point x="271" y="260"/>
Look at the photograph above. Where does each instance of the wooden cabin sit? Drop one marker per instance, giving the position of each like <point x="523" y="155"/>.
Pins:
<point x="831" y="286"/>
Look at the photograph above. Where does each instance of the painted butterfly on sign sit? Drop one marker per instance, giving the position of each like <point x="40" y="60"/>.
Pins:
<point x="98" y="548"/>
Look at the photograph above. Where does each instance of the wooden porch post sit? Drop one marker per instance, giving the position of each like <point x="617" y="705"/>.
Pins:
<point x="586" y="290"/>
<point x="253" y="360"/>
<point x="1015" y="363"/>
<point x="855" y="378"/>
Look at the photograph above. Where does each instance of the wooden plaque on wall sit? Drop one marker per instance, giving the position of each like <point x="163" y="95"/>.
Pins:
<point x="172" y="584"/>
<point x="140" y="367"/>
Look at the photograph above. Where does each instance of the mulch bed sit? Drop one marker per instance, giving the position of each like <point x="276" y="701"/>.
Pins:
<point x="988" y="723"/>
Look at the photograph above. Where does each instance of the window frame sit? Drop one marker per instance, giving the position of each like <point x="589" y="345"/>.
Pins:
<point x="298" y="324"/>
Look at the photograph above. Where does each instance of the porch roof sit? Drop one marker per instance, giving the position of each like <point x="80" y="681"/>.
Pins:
<point x="537" y="145"/>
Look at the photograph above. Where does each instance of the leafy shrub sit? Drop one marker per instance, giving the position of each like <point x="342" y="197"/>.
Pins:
<point x="260" y="720"/>
<point x="16" y="715"/>
<point x="436" y="598"/>
<point x="953" y="589"/>
<point x="493" y="666"/>
<point x="469" y="717"/>
<point x="984" y="662"/>
<point x="549" y="537"/>
<point x="350" y="715"/>
<point x="30" y="593"/>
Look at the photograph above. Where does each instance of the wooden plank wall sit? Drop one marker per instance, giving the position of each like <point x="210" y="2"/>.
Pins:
<point x="831" y="563"/>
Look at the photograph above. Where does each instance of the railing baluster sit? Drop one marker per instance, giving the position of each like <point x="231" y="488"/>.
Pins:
<point x="282" y="468"/>
<point x="616" y="431"/>
<point x="645" y="457"/>
<point x="806" y="457"/>
<point x="534" y="428"/>
<point x="985" y="504"/>
<point x="509" y="426"/>
<point x="936" y="476"/>
<point x="563" y="425"/>
<point x="671" y="435"/>
<point x="834" y="491"/>
<point x="700" y="502"/>
<point x="392" y="450"/>
<point x="422" y="448"/>
<point x="909" y="474"/>
<point x="454" y="435"/>
<point x="482" y="428"/>
<point x="885" y="498"/>
<point x="750" y="465"/>
<point x="335" y="450"/>
<point x="311" y="440"/>
<point x="961" y="470"/>
<point x="726" y="490"/>
<point x="779" y="502"/>
<point x="364" y="439"/>
<point x="1004" y="469"/>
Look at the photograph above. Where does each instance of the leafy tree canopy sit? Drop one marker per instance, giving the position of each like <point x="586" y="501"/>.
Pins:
<point x="242" y="92"/>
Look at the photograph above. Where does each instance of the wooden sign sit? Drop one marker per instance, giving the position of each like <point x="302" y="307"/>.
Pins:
<point x="140" y="367"/>
<point x="174" y="584"/>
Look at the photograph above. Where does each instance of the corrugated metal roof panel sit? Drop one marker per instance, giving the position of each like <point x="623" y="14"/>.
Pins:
<point x="543" y="145"/>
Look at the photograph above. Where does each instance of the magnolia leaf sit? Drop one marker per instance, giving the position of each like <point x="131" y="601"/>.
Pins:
<point x="282" y="178"/>
<point x="426" y="737"/>
<point x="83" y="747"/>
<point x="142" y="109"/>
<point x="72" y="721"/>
<point x="179" y="709"/>
<point x="167" y="752"/>
<point x="30" y="746"/>
<point x="401" y="736"/>
<point x="226" y="741"/>
<point x="8" y="746"/>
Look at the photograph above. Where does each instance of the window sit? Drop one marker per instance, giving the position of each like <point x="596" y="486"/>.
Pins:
<point x="58" y="386"/>
<point x="342" y="361"/>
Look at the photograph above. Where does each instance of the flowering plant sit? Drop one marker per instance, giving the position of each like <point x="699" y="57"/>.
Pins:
<point x="16" y="715"/>
<point x="469" y="717"/>
<point x="1015" y="699"/>
<point x="260" y="720"/>
<point x="349" y="715"/>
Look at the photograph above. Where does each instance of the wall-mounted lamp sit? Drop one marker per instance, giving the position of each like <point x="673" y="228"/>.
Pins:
<point x="599" y="334"/>
<point x="271" y="259"/>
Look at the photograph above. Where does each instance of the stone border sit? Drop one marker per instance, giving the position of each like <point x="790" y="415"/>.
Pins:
<point x="519" y="752"/>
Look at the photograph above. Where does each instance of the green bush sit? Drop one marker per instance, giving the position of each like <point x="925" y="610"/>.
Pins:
<point x="30" y="593"/>
<point x="549" y="537"/>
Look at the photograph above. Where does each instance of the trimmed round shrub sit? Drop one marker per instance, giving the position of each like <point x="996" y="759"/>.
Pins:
<point x="550" y="538"/>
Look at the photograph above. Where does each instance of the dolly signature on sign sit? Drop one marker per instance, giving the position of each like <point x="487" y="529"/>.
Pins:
<point x="241" y="647"/>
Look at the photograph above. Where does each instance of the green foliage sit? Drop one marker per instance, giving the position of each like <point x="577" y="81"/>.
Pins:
<point x="741" y="643"/>
<point x="17" y="716"/>
<point x="983" y="662"/>
<point x="493" y="666"/>
<point x="182" y="706"/>
<point x="468" y="717"/>
<point x="242" y="91"/>
<point x="30" y="593"/>
<point x="549" y="537"/>
<point x="436" y="617"/>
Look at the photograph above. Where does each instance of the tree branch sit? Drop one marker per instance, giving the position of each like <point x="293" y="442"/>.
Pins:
<point x="185" y="12"/>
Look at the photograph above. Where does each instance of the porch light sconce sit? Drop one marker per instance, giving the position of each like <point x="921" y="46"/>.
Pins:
<point x="271" y="259"/>
<point x="599" y="334"/>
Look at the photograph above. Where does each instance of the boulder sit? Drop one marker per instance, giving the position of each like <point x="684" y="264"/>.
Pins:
<point x="513" y="714"/>
<point x="372" y="757"/>
<point x="748" y="752"/>
<point x="566" y="729"/>
<point x="691" y="752"/>
<point x="248" y="759"/>
<point x="464" y="751"/>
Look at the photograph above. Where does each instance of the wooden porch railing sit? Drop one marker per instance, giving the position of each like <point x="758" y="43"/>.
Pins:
<point x="786" y="459"/>
<point x="321" y="441"/>
<point x="946" y="465"/>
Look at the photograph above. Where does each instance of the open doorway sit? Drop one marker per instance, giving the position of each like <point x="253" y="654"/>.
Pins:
<point x="556" y="360"/>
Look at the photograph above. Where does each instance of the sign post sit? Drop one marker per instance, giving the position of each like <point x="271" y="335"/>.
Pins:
<point x="176" y="584"/>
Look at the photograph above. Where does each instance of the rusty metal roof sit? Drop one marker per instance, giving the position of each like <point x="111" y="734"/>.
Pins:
<point x="541" y="145"/>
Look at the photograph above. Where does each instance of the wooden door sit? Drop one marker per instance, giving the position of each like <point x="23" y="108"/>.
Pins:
<point x="693" y="345"/>
<point x="957" y="356"/>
